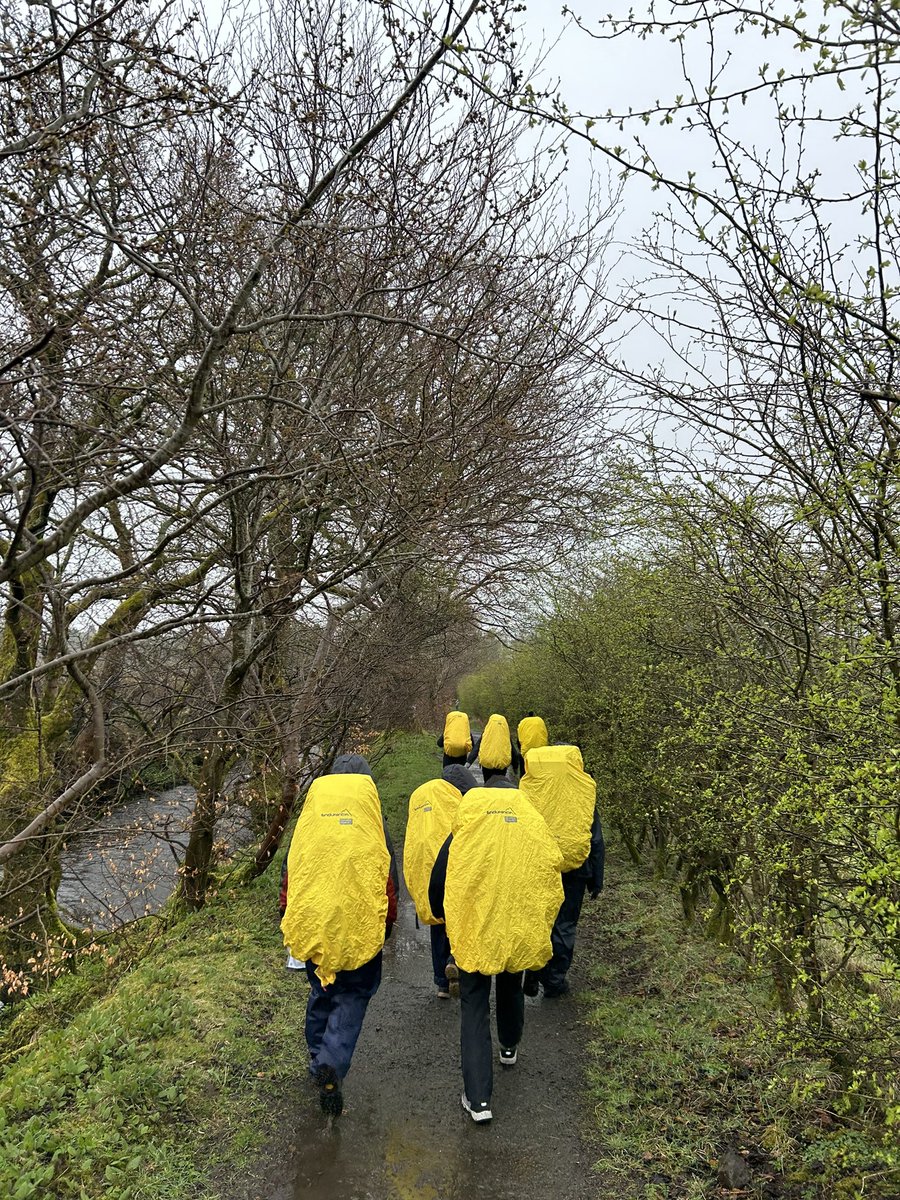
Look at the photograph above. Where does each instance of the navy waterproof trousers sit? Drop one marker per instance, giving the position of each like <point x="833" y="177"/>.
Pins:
<point x="334" y="1014"/>
<point x="475" y="1027"/>
<point x="562" y="936"/>
<point x="440" y="952"/>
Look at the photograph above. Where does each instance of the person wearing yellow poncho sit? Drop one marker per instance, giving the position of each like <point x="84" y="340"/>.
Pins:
<point x="496" y="882"/>
<point x="432" y="808"/>
<point x="558" y="786"/>
<point x="531" y="732"/>
<point x="456" y="739"/>
<point x="494" y="750"/>
<point x="340" y="900"/>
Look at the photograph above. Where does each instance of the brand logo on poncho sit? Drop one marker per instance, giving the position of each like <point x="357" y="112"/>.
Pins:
<point x="344" y="817"/>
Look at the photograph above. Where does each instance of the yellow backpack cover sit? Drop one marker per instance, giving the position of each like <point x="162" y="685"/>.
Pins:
<point x="565" y="795"/>
<point x="503" y="887"/>
<point x="457" y="734"/>
<point x="496" y="748"/>
<point x="338" y="868"/>
<point x="532" y="732"/>
<point x="432" y="808"/>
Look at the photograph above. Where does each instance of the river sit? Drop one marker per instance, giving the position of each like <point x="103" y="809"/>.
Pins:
<point x="125" y="866"/>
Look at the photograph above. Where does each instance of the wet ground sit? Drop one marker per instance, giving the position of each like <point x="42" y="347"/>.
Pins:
<point x="404" y="1135"/>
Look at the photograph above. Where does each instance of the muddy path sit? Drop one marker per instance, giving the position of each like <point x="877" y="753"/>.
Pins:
<point x="404" y="1135"/>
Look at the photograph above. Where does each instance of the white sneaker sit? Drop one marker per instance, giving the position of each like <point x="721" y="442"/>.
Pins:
<point x="508" y="1056"/>
<point x="477" y="1114"/>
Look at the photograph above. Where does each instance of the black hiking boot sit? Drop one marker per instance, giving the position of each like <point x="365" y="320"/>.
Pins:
<point x="329" y="1086"/>
<point x="554" y="991"/>
<point x="531" y="983"/>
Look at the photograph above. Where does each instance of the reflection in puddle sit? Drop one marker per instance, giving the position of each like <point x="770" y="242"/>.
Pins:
<point x="365" y="1159"/>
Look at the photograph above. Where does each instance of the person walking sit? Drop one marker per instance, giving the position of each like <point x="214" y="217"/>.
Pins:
<point x="456" y="740"/>
<point x="565" y="795"/>
<point x="494" y="749"/>
<point x="432" y="808"/>
<point x="531" y="733"/>
<point x="339" y="902"/>
<point x="496" y="882"/>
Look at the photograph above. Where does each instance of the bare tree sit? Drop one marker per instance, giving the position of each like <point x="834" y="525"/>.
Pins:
<point x="286" y="319"/>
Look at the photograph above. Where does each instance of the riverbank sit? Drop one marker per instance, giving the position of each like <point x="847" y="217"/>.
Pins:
<point x="172" y="1066"/>
<point x="134" y="1077"/>
<point x="159" y="1069"/>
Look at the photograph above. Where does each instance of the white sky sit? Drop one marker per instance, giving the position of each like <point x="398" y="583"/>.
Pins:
<point x="596" y="76"/>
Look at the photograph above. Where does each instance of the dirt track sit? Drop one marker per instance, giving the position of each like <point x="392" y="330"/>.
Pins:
<point x="404" y="1136"/>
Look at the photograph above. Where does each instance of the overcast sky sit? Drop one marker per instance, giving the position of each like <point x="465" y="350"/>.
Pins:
<point x="596" y="76"/>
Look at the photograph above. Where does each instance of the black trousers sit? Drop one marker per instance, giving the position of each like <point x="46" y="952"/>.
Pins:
<point x="489" y="772"/>
<point x="475" y="1027"/>
<point x="562" y="936"/>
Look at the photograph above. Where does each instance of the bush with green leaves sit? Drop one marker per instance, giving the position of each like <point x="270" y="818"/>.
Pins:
<point x="759" y="773"/>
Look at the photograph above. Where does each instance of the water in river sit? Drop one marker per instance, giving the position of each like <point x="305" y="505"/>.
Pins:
<point x="125" y="866"/>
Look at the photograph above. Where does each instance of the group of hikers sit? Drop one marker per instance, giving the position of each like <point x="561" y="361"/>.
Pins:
<point x="498" y="871"/>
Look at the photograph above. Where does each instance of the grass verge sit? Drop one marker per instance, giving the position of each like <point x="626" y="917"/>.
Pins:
<point x="403" y="761"/>
<point x="687" y="1067"/>
<point x="133" y="1084"/>
<point x="158" y="1067"/>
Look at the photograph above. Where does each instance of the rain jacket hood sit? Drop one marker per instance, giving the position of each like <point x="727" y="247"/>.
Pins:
<point x="503" y="887"/>
<point x="495" y="749"/>
<point x="338" y="867"/>
<point x="432" y="808"/>
<point x="461" y="777"/>
<point x="350" y="764"/>
<point x="532" y="732"/>
<point x="565" y="795"/>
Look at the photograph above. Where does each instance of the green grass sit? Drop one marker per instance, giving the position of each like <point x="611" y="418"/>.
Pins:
<point x="154" y="1069"/>
<point x="133" y="1083"/>
<point x="402" y="762"/>
<point x="686" y="1060"/>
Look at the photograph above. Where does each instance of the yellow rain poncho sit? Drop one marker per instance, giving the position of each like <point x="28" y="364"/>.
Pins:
<point x="432" y="808"/>
<point x="457" y="734"/>
<point x="338" y="868"/>
<point x="565" y="795"/>
<point x="503" y="886"/>
<point x="532" y="732"/>
<point x="495" y="750"/>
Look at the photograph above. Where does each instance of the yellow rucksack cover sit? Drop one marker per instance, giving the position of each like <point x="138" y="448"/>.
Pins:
<point x="565" y="795"/>
<point x="432" y="808"/>
<point x="457" y="734"/>
<point x="338" y="868"/>
<point x="496" y="748"/>
<point x="532" y="732"/>
<point x="503" y="888"/>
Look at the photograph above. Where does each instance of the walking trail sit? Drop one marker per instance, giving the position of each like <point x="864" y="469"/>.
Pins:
<point x="404" y="1135"/>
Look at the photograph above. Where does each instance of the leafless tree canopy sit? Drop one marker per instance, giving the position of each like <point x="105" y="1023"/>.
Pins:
<point x="293" y="369"/>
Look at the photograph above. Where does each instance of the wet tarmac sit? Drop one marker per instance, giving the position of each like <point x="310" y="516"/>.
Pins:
<point x="404" y="1135"/>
